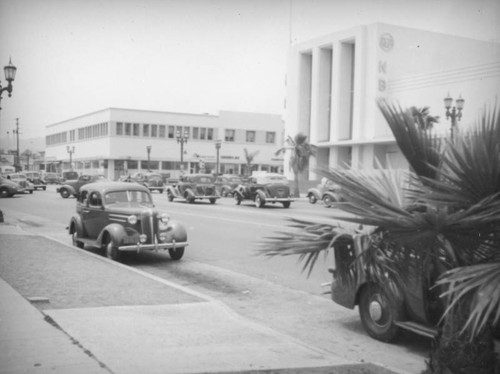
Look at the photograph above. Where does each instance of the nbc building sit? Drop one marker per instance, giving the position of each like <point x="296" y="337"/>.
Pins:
<point x="334" y="81"/>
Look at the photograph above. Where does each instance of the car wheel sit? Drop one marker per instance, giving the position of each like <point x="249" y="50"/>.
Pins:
<point x="378" y="313"/>
<point x="44" y="188"/>
<point x="160" y="191"/>
<point x="64" y="193"/>
<point x="31" y="191"/>
<point x="328" y="201"/>
<point x="286" y="204"/>
<point x="224" y="192"/>
<point x="312" y="199"/>
<point x="189" y="197"/>
<point x="237" y="199"/>
<point x="76" y="243"/>
<point x="112" y="251"/>
<point x="258" y="201"/>
<point x="176" y="254"/>
<point x="212" y="201"/>
<point x="4" y="192"/>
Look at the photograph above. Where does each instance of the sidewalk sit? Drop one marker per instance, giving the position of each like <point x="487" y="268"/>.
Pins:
<point x="91" y="315"/>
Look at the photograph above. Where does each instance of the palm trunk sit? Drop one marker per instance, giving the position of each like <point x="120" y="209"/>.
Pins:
<point x="455" y="353"/>
<point x="296" y="191"/>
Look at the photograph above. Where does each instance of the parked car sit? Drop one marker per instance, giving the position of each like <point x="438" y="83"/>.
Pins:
<point x="69" y="175"/>
<point x="152" y="181"/>
<point x="52" y="178"/>
<point x="72" y="187"/>
<point x="326" y="191"/>
<point x="264" y="188"/>
<point x="36" y="178"/>
<point x="22" y="181"/>
<point x="118" y="217"/>
<point x="9" y="188"/>
<point x="193" y="187"/>
<point x="226" y="183"/>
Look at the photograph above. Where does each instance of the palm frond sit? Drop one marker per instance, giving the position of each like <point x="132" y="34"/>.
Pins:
<point x="483" y="283"/>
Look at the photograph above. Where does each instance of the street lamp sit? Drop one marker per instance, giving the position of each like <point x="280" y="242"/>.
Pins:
<point x="70" y="150"/>
<point x="10" y="75"/>
<point x="182" y="139"/>
<point x="218" y="143"/>
<point x="148" y="148"/>
<point x="455" y="112"/>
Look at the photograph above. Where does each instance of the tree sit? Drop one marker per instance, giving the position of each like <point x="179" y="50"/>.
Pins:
<point x="447" y="214"/>
<point x="299" y="159"/>
<point x="249" y="157"/>
<point x="423" y="119"/>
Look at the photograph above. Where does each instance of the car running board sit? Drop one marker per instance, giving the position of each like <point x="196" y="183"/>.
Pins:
<point x="418" y="328"/>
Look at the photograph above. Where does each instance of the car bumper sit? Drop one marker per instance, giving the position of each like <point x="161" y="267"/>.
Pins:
<point x="278" y="199"/>
<point x="152" y="247"/>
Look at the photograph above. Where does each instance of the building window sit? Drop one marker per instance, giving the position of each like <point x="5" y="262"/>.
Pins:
<point x="196" y="132"/>
<point x="145" y="130"/>
<point x="210" y="134"/>
<point x="171" y="132"/>
<point x="229" y="135"/>
<point x="72" y="136"/>
<point x="136" y="129"/>
<point x="250" y="137"/>
<point x="119" y="129"/>
<point x="203" y="132"/>
<point x="128" y="129"/>
<point x="162" y="131"/>
<point x="270" y="137"/>
<point x="154" y="131"/>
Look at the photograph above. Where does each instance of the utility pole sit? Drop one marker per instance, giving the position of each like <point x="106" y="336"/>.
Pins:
<point x="16" y="131"/>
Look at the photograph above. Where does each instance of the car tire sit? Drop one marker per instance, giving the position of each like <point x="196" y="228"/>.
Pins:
<point x="286" y="204"/>
<point x="237" y="199"/>
<point x="379" y="313"/>
<point x="111" y="251"/>
<point x="176" y="254"/>
<point x="31" y="191"/>
<point x="44" y="188"/>
<point x="76" y="243"/>
<point x="64" y="193"/>
<point x="258" y="201"/>
<point x="312" y="199"/>
<point x="189" y="196"/>
<point x="328" y="201"/>
<point x="4" y="192"/>
<point x="170" y="196"/>
<point x="224" y="192"/>
<point x="212" y="201"/>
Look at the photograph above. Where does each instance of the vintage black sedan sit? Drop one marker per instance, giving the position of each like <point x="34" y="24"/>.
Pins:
<point x="118" y="217"/>
<point x="264" y="188"/>
<point x="194" y="187"/>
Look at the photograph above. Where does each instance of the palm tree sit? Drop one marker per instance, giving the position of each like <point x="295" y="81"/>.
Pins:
<point x="249" y="157"/>
<point x="447" y="215"/>
<point x="299" y="159"/>
<point x="423" y="118"/>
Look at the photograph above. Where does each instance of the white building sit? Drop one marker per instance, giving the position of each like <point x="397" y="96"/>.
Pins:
<point x="334" y="81"/>
<point x="115" y="142"/>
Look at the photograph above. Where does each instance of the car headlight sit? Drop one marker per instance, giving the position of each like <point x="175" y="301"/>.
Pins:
<point x="132" y="219"/>
<point x="143" y="238"/>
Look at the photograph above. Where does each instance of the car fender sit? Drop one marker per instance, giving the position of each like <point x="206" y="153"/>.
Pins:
<point x="176" y="231"/>
<point x="333" y="196"/>
<point x="261" y="194"/>
<point x="188" y="192"/>
<point x="116" y="231"/>
<point x="70" y="188"/>
<point x="174" y="191"/>
<point x="315" y="192"/>
<point x="76" y="225"/>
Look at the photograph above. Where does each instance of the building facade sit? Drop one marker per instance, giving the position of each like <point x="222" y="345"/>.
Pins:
<point x="116" y="142"/>
<point x="333" y="83"/>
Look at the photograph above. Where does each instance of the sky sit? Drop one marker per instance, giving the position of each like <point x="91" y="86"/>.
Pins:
<point x="74" y="57"/>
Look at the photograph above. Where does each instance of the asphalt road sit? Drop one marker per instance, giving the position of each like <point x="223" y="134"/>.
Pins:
<point x="222" y="262"/>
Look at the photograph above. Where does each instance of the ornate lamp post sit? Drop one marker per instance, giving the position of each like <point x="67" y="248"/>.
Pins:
<point x="455" y="112"/>
<point x="182" y="139"/>
<point x="10" y="75"/>
<point x="70" y="150"/>
<point x="218" y="143"/>
<point x="148" y="148"/>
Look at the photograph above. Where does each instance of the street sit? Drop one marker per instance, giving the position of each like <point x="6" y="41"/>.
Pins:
<point x="222" y="261"/>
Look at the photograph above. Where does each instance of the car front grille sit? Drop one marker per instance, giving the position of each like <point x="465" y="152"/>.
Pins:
<point x="148" y="222"/>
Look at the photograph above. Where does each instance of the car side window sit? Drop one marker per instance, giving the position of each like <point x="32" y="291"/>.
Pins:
<point x="95" y="199"/>
<point x="82" y="199"/>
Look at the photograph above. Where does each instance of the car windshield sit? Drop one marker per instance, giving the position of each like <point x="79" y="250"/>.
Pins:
<point x="235" y="180"/>
<point x="273" y="179"/>
<point x="200" y="179"/>
<point x="18" y="177"/>
<point x="128" y="197"/>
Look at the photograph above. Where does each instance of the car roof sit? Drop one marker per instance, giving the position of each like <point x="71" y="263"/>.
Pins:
<point x="104" y="187"/>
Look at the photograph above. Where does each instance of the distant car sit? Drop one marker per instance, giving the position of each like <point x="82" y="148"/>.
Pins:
<point x="264" y="188"/>
<point x="22" y="181"/>
<point x="153" y="181"/>
<point x="36" y="178"/>
<point x="72" y="187"/>
<point x="69" y="175"/>
<point x="119" y="217"/>
<point x="9" y="188"/>
<point x="226" y="183"/>
<point x="194" y="187"/>
<point x="52" y="178"/>
<point x="326" y="191"/>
